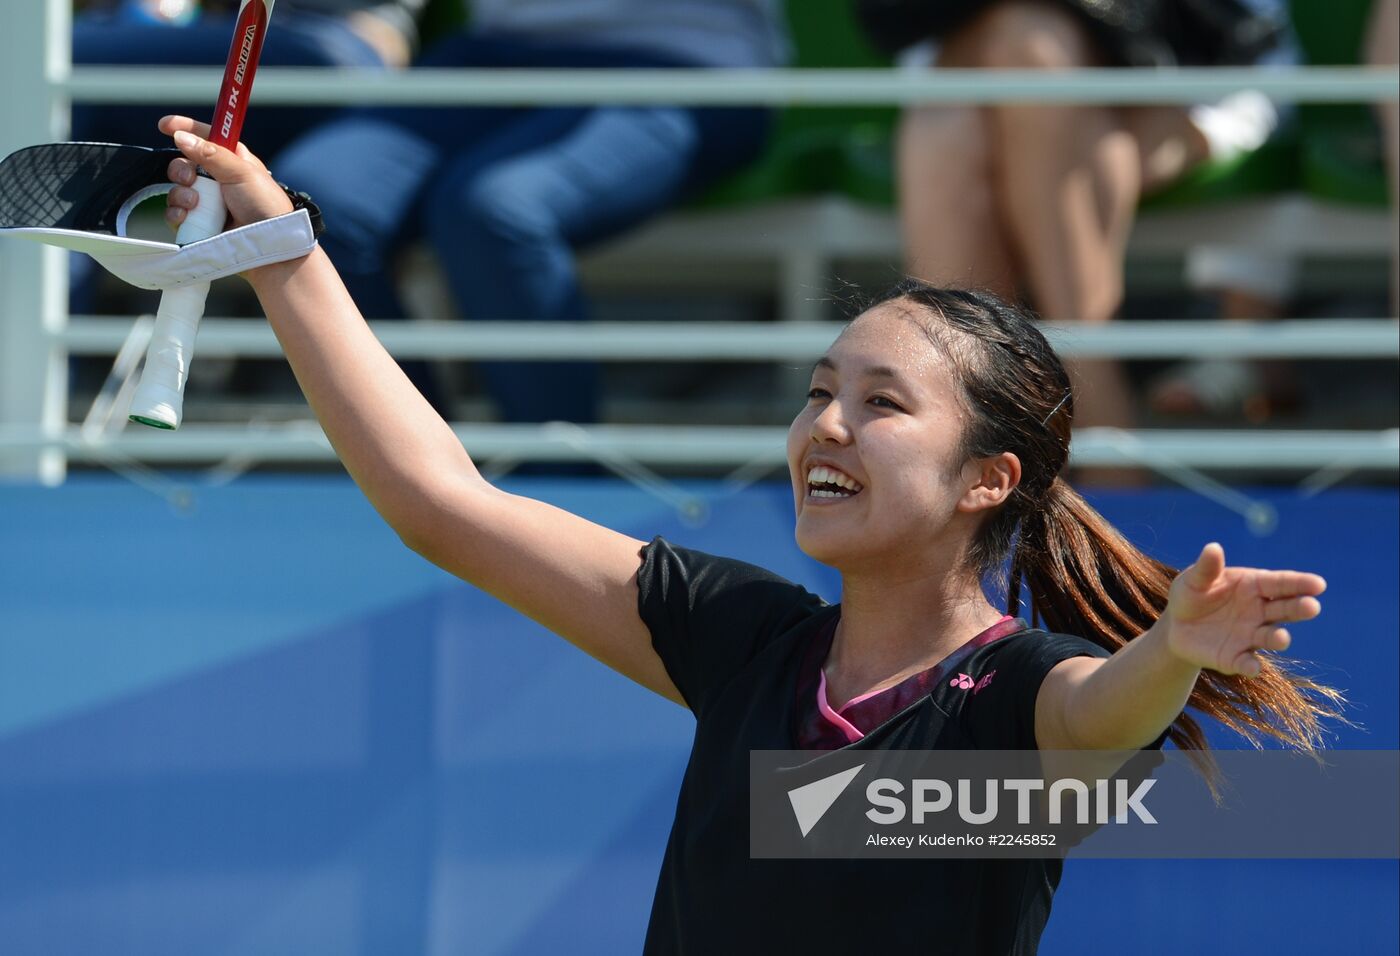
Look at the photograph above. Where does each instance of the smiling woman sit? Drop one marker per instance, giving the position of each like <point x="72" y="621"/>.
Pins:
<point x="928" y="454"/>
<point x="951" y="413"/>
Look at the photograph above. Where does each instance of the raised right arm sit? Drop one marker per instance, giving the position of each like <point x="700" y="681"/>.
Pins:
<point x="575" y="577"/>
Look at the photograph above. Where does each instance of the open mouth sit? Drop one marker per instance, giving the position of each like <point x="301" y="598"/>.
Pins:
<point x="829" y="483"/>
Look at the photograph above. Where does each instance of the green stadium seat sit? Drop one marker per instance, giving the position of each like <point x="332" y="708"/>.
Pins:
<point x="1334" y="153"/>
<point x="441" y="18"/>
<point x="850" y="151"/>
<point x="868" y="163"/>
<point x="1272" y="168"/>
<point x="822" y="193"/>
<point x="811" y="148"/>
<point x="1341" y="157"/>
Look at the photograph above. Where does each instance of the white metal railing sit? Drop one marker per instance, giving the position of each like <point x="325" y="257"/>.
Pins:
<point x="446" y="87"/>
<point x="748" y="453"/>
<point x="772" y="342"/>
<point x="716" y="446"/>
<point x="33" y="280"/>
<point x="36" y="336"/>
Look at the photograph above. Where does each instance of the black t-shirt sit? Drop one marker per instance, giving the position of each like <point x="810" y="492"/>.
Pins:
<point x="732" y="637"/>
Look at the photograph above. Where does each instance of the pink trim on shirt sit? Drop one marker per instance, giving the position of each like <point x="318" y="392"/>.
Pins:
<point x="846" y="727"/>
<point x="852" y="732"/>
<point x="856" y="700"/>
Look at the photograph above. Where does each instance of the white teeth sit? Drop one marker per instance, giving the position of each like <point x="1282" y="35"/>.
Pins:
<point x="823" y="475"/>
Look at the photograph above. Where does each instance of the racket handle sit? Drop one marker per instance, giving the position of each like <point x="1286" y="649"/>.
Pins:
<point x="160" y="398"/>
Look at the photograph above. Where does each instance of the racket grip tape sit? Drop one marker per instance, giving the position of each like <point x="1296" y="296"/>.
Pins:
<point x="159" y="399"/>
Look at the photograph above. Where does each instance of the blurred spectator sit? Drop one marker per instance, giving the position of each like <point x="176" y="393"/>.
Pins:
<point x="1036" y="200"/>
<point x="1247" y="284"/>
<point x="1253" y="284"/>
<point x="1383" y="49"/>
<point x="506" y="195"/>
<point x="326" y="33"/>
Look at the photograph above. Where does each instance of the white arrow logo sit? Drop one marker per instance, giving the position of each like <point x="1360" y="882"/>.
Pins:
<point x="811" y="801"/>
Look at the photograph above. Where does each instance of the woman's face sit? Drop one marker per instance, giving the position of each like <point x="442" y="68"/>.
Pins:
<point x="873" y="454"/>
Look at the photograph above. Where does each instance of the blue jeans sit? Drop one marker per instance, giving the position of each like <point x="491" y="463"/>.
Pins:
<point x="105" y="39"/>
<point x="295" y="39"/>
<point x="505" y="196"/>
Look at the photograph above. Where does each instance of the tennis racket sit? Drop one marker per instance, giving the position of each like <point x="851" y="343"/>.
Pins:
<point x="159" y="399"/>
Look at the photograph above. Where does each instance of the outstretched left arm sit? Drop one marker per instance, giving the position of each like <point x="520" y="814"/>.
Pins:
<point x="1217" y="617"/>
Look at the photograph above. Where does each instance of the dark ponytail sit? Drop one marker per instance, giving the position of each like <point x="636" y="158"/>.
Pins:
<point x="1082" y="576"/>
<point x="1085" y="578"/>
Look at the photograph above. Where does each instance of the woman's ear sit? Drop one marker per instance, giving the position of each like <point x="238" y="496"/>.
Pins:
<point x="990" y="481"/>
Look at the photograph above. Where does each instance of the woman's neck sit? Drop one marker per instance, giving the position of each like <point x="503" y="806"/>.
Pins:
<point x="891" y="628"/>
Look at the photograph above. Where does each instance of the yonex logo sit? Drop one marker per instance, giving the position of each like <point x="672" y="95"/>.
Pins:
<point x="811" y="801"/>
<point x="968" y="682"/>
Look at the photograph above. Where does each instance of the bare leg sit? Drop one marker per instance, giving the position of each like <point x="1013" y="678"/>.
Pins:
<point x="1067" y="180"/>
<point x="952" y="228"/>
<point x="1164" y="145"/>
<point x="1169" y="144"/>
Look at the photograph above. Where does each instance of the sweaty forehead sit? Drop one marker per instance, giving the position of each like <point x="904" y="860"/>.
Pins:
<point x="888" y="336"/>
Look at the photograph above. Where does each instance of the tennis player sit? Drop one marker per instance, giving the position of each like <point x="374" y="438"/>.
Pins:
<point x="929" y="452"/>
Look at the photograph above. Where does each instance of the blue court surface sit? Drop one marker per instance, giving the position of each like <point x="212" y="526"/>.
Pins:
<point x="260" y="725"/>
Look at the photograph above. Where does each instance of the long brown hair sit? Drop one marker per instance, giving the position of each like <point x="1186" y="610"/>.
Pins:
<point x="1082" y="576"/>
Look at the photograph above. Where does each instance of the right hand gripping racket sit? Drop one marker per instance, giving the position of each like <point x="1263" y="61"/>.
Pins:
<point x="159" y="399"/>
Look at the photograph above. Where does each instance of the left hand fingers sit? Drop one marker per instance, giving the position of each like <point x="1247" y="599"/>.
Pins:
<point x="1271" y="638"/>
<point x="1207" y="567"/>
<point x="1284" y="584"/>
<point x="1247" y="662"/>
<point x="1291" y="609"/>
